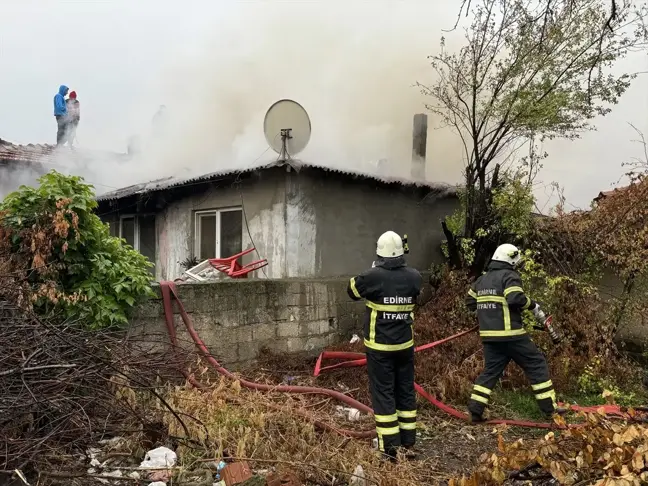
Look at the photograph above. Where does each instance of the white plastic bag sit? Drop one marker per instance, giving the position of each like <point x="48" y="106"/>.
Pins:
<point x="160" y="457"/>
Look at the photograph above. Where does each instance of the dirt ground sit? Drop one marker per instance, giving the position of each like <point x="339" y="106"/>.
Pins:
<point x="451" y="446"/>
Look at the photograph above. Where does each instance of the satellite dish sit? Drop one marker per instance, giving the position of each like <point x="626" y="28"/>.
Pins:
<point x="287" y="128"/>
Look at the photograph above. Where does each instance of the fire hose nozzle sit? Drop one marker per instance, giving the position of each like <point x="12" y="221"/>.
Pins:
<point x="555" y="337"/>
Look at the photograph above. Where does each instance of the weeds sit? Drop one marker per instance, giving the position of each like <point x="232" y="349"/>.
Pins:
<point x="231" y="422"/>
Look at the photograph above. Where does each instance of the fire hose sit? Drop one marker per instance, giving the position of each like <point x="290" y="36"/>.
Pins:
<point x="169" y="291"/>
<point x="169" y="294"/>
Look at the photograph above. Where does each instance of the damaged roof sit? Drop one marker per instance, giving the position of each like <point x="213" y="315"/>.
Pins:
<point x="171" y="182"/>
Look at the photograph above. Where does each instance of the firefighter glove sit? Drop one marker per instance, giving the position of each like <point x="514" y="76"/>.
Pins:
<point x="539" y="314"/>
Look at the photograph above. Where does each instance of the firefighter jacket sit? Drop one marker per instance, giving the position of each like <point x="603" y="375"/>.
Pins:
<point x="499" y="300"/>
<point x="390" y="290"/>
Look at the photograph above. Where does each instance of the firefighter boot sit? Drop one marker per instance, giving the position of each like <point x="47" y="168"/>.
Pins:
<point x="557" y="411"/>
<point x="476" y="418"/>
<point x="409" y="453"/>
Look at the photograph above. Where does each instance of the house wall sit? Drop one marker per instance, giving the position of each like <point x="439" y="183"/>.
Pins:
<point x="307" y="223"/>
<point x="263" y="199"/>
<point x="341" y="219"/>
<point x="237" y="318"/>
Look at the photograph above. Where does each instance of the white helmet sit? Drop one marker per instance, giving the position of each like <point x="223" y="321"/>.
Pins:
<point x="507" y="253"/>
<point x="389" y="245"/>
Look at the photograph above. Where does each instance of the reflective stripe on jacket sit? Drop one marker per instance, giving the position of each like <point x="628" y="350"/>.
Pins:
<point x="390" y="290"/>
<point x="499" y="300"/>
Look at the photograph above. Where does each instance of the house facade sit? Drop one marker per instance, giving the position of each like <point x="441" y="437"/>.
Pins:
<point x="307" y="221"/>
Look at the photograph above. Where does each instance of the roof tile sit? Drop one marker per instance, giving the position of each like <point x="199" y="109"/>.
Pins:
<point x="24" y="153"/>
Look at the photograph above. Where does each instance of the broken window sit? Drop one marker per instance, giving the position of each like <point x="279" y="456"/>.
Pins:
<point x="218" y="233"/>
<point x="139" y="232"/>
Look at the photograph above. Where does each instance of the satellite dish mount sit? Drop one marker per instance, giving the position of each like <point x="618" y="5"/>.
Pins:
<point x="285" y="137"/>
<point x="287" y="142"/>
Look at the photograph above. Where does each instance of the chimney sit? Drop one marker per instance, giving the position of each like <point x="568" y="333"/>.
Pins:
<point x="419" y="145"/>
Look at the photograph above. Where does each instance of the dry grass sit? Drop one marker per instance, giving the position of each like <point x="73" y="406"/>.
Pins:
<point x="261" y="427"/>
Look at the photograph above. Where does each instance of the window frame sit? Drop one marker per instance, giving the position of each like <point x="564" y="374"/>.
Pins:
<point x="197" y="227"/>
<point x="135" y="229"/>
<point x="136" y="226"/>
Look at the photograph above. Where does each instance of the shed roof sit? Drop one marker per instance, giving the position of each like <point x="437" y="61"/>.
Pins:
<point x="171" y="182"/>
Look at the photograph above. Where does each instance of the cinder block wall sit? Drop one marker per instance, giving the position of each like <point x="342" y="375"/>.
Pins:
<point x="236" y="318"/>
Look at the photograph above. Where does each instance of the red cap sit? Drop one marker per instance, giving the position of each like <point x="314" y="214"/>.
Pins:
<point x="73" y="94"/>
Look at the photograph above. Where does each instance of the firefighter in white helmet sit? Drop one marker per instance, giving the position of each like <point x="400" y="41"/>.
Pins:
<point x="390" y="289"/>
<point x="499" y="300"/>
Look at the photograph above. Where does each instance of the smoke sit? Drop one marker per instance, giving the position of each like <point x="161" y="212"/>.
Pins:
<point x="354" y="74"/>
<point x="12" y="178"/>
<point x="352" y="65"/>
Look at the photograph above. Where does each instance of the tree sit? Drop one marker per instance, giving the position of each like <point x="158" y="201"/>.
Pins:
<point x="528" y="71"/>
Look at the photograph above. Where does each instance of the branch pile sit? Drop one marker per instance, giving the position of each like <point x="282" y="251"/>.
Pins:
<point x="62" y="388"/>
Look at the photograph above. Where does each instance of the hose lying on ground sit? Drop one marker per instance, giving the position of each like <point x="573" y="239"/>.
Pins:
<point x="356" y="359"/>
<point x="169" y="291"/>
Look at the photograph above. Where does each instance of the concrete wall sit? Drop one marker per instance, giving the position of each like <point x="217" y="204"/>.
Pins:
<point x="236" y="318"/>
<point x="348" y="215"/>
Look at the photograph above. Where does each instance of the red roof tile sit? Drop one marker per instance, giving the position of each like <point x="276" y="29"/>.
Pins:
<point x="24" y="153"/>
<point x="604" y="194"/>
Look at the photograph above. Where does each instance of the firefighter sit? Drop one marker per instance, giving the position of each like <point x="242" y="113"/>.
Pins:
<point x="499" y="300"/>
<point x="390" y="289"/>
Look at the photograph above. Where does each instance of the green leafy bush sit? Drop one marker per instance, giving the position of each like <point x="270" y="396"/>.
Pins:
<point x="72" y="264"/>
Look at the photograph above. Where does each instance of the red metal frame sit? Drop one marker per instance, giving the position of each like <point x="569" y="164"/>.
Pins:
<point x="232" y="268"/>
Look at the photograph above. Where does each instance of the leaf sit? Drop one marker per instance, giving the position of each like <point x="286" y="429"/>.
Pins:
<point x="498" y="475"/>
<point x="609" y="397"/>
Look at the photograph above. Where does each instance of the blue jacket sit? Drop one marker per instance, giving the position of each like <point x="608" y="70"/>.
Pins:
<point x="60" y="108"/>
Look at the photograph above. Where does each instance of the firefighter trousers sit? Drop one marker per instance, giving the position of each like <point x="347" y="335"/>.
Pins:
<point x="391" y="383"/>
<point x="497" y="355"/>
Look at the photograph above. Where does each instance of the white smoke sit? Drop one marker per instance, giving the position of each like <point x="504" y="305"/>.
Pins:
<point x="354" y="74"/>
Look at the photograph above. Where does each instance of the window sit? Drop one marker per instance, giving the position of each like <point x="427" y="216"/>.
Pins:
<point x="218" y="233"/>
<point x="139" y="232"/>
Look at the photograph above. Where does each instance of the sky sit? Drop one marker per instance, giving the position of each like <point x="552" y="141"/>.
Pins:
<point x="219" y="64"/>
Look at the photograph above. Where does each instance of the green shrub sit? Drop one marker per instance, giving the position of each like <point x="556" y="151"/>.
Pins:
<point x="72" y="264"/>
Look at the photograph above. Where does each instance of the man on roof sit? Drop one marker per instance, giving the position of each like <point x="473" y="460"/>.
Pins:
<point x="60" y="113"/>
<point x="73" y="117"/>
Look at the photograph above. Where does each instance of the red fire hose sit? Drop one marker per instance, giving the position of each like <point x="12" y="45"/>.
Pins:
<point x="357" y="359"/>
<point x="169" y="291"/>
